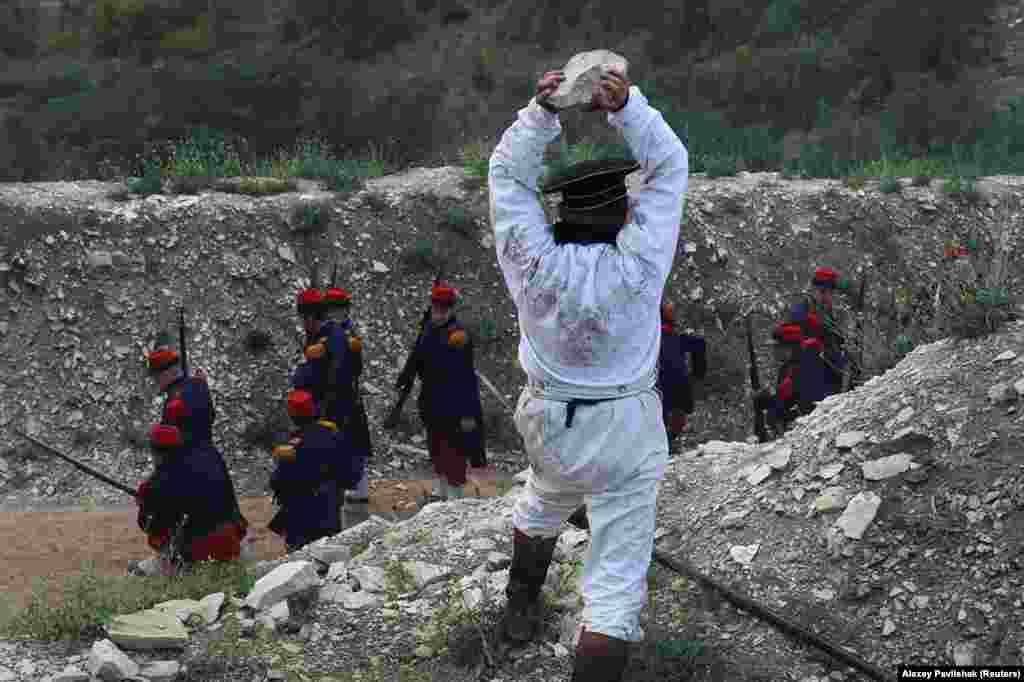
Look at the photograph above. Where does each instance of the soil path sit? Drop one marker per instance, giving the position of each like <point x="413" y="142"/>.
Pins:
<point x="52" y="545"/>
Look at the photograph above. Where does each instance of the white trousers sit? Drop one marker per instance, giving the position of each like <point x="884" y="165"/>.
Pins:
<point x="611" y="458"/>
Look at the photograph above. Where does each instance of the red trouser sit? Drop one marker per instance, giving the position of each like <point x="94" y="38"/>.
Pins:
<point x="449" y="463"/>
<point x="675" y="422"/>
<point x="223" y="544"/>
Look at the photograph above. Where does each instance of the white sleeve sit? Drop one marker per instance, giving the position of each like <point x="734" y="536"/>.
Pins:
<point x="522" y="236"/>
<point x="651" y="236"/>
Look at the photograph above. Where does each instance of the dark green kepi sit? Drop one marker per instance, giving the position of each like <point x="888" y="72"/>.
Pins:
<point x="589" y="185"/>
<point x="590" y="211"/>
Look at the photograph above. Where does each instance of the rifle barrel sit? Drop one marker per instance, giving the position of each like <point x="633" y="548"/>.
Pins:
<point x="89" y="470"/>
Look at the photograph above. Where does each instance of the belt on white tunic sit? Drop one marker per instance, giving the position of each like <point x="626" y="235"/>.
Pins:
<point x="552" y="390"/>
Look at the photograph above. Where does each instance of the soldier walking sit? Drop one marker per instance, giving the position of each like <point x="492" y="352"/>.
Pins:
<point x="449" y="400"/>
<point x="800" y="380"/>
<point x="330" y="371"/>
<point x="338" y="304"/>
<point x="189" y="407"/>
<point x="677" y="352"/>
<point x="821" y="321"/>
<point x="588" y="291"/>
<point x="184" y="508"/>
<point x="309" y="476"/>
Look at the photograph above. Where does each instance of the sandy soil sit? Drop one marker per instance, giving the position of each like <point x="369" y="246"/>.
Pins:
<point x="51" y="545"/>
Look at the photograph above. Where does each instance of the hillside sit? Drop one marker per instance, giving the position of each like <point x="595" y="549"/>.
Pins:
<point x="90" y="276"/>
<point x="889" y="521"/>
<point x="90" y="90"/>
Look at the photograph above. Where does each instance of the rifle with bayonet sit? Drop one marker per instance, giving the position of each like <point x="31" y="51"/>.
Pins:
<point x="857" y="371"/>
<point x="755" y="385"/>
<point x="78" y="465"/>
<point x="181" y="341"/>
<point x="405" y="387"/>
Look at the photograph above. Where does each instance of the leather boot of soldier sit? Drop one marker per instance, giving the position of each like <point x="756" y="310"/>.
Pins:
<point x="531" y="558"/>
<point x="600" y="658"/>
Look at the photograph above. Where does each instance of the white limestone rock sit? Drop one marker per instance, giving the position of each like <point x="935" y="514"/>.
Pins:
<point x="109" y="663"/>
<point x="582" y="72"/>
<point x="859" y="513"/>
<point x="149" y="629"/>
<point x="281" y="583"/>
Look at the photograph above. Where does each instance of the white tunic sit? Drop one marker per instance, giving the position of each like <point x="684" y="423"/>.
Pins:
<point x="589" y="315"/>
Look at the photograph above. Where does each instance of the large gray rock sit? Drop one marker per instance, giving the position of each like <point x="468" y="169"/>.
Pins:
<point x="182" y="608"/>
<point x="370" y="579"/>
<point x="212" y="604"/>
<point x="859" y="513"/>
<point x="582" y="72"/>
<point x="109" y="663"/>
<point x="281" y="583"/>
<point x="161" y="671"/>
<point x="69" y="674"/>
<point x="149" y="629"/>
<point x="886" y="467"/>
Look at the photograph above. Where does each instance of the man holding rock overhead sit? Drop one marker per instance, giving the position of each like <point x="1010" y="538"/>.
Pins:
<point x="588" y="291"/>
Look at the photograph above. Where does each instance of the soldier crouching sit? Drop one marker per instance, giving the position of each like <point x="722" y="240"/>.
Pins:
<point x="183" y="508"/>
<point x="310" y="476"/>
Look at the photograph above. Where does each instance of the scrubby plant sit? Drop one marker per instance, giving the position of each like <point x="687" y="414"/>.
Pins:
<point x="720" y="166"/>
<point x="87" y="600"/>
<point x="889" y="185"/>
<point x="459" y="219"/>
<point x="151" y="181"/>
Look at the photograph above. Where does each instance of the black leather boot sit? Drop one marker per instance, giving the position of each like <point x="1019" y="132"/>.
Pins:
<point x="600" y="658"/>
<point x="531" y="558"/>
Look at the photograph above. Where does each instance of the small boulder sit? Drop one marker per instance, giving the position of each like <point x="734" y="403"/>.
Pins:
<point x="859" y="513"/>
<point x="849" y="439"/>
<point x="281" y="583"/>
<point x="109" y="663"/>
<point x="582" y="72"/>
<point x="149" y="629"/>
<point x="886" y="467"/>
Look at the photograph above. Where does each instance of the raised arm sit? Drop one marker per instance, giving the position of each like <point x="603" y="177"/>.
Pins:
<point x="521" y="232"/>
<point x="652" y="232"/>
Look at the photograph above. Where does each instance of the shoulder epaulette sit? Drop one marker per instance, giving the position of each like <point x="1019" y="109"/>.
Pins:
<point x="458" y="338"/>
<point x="285" y="453"/>
<point x="315" y="351"/>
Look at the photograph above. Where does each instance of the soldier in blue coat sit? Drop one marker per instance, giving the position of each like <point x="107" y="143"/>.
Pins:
<point x="677" y="351"/>
<point x="309" y="476"/>
<point x="820" y="320"/>
<point x="330" y="372"/>
<point x="189" y="407"/>
<point x="449" y="399"/>
<point x="184" y="508"/>
<point x="338" y="303"/>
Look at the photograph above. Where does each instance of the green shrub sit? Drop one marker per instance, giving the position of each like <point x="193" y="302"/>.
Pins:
<point x="111" y="14"/>
<point x="720" y="166"/>
<point x="783" y="17"/>
<point x="889" y="185"/>
<point x="856" y="181"/>
<point x="487" y="331"/>
<point x="460" y="220"/>
<point x="150" y="182"/>
<point x="193" y="39"/>
<point x="422" y="255"/>
<point x="88" y="600"/>
<point x="64" y="41"/>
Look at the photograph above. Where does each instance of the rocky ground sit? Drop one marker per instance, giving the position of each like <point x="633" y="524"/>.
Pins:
<point x="89" y="276"/>
<point x="892" y="528"/>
